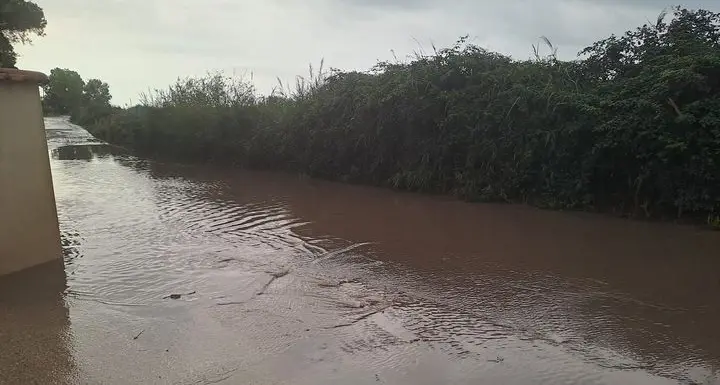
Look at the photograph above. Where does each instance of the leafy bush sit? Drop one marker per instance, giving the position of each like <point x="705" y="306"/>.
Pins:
<point x="634" y="126"/>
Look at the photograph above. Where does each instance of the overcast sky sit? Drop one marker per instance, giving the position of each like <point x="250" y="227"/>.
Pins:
<point x="136" y="45"/>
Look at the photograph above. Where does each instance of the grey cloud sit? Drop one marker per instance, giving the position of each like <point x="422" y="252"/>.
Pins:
<point x="391" y="4"/>
<point x="488" y="5"/>
<point x="659" y="4"/>
<point x="141" y="44"/>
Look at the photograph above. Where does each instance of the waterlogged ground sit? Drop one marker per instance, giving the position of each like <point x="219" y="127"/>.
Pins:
<point x="195" y="275"/>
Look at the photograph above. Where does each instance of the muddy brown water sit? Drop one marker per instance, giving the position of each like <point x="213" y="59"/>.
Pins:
<point x="183" y="274"/>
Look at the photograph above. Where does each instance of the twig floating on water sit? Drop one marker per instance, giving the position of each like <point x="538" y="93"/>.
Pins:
<point x="231" y="303"/>
<point x="178" y="296"/>
<point x="273" y="276"/>
<point x="358" y="319"/>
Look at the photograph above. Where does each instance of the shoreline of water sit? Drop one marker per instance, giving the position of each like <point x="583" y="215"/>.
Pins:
<point x="189" y="274"/>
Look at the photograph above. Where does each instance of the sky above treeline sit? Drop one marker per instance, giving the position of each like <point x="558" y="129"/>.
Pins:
<point x="139" y="45"/>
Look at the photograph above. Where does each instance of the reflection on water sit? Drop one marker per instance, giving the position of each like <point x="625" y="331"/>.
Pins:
<point x="85" y="152"/>
<point x="624" y="294"/>
<point x="34" y="327"/>
<point x="187" y="274"/>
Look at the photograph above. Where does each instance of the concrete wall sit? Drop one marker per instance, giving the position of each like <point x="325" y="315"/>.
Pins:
<point x="29" y="233"/>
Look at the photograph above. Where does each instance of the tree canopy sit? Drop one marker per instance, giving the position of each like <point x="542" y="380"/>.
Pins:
<point x="63" y="91"/>
<point x="96" y="92"/>
<point x="19" y="21"/>
<point x="66" y="93"/>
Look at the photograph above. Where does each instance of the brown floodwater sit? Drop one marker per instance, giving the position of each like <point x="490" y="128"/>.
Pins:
<point x="180" y="274"/>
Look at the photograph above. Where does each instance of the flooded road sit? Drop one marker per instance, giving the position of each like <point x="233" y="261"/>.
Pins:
<point x="183" y="274"/>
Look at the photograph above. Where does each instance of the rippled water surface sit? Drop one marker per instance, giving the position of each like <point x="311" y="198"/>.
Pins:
<point x="197" y="275"/>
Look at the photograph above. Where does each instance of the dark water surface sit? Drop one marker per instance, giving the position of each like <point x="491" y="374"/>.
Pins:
<point x="287" y="280"/>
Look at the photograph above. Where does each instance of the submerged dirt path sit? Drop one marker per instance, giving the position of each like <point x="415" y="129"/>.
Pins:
<point x="192" y="275"/>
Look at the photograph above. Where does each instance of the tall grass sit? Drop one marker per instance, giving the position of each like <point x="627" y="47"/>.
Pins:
<point x="214" y="90"/>
<point x="636" y="134"/>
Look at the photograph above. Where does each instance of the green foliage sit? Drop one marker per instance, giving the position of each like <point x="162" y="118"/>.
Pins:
<point x="634" y="126"/>
<point x="96" y="92"/>
<point x="661" y="135"/>
<point x="713" y="220"/>
<point x="214" y="90"/>
<point x="94" y="103"/>
<point x="66" y="93"/>
<point x="63" y="91"/>
<point x="19" y="20"/>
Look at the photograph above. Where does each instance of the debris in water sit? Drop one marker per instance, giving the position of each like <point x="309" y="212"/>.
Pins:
<point x="358" y="319"/>
<point x="178" y="296"/>
<point x="334" y="253"/>
<point x="139" y="334"/>
<point x="273" y="276"/>
<point x="497" y="360"/>
<point x="336" y="283"/>
<point x="279" y="273"/>
<point x="231" y="303"/>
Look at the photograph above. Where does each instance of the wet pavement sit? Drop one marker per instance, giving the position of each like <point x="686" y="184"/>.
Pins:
<point x="181" y="274"/>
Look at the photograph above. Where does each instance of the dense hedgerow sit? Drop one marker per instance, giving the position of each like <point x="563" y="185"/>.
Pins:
<point x="633" y="126"/>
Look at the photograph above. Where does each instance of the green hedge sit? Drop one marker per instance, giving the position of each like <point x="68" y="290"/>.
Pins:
<point x="633" y="126"/>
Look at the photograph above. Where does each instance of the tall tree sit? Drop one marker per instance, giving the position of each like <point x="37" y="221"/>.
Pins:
<point x="689" y="32"/>
<point x="96" y="93"/>
<point x="19" y="20"/>
<point x="95" y="103"/>
<point x="63" y="91"/>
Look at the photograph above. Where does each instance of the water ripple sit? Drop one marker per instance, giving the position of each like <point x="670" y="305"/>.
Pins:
<point x="268" y="266"/>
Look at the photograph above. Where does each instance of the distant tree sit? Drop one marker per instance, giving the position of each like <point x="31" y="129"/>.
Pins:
<point x="689" y="32"/>
<point x="63" y="91"/>
<point x="95" y="102"/>
<point x="96" y="92"/>
<point x="19" y="20"/>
